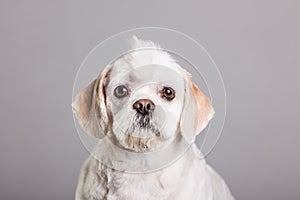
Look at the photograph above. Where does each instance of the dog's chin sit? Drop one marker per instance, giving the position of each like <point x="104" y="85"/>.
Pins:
<point x="139" y="144"/>
<point x="141" y="140"/>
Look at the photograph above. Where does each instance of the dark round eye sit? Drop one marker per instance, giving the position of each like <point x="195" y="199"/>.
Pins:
<point x="120" y="91"/>
<point x="168" y="93"/>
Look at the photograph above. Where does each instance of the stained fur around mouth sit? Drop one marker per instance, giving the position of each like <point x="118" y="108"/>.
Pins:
<point x="135" y="140"/>
<point x="140" y="122"/>
<point x="144" y="121"/>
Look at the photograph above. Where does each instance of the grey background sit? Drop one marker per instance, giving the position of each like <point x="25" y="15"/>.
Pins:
<point x="254" y="43"/>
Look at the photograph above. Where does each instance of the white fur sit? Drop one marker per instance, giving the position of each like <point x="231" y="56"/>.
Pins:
<point x="188" y="178"/>
<point x="145" y="73"/>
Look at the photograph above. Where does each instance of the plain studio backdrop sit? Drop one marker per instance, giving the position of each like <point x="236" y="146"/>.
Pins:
<point x="255" y="44"/>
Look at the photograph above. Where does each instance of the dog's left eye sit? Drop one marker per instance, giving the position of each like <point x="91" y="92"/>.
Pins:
<point x="121" y="91"/>
<point x="168" y="93"/>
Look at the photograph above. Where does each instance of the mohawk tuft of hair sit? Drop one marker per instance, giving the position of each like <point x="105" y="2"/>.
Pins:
<point x="137" y="43"/>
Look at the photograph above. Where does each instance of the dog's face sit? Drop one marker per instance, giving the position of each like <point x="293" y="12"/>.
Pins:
<point x="143" y="101"/>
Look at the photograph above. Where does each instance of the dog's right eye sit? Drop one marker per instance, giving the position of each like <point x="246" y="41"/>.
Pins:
<point x="121" y="91"/>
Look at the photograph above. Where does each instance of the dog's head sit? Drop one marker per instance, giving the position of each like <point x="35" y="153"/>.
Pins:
<point x="143" y="101"/>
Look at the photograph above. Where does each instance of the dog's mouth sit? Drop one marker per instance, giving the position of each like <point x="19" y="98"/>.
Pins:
<point x="142" y="134"/>
<point x="144" y="122"/>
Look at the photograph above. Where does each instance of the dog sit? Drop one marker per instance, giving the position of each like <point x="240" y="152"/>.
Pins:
<point x="143" y="102"/>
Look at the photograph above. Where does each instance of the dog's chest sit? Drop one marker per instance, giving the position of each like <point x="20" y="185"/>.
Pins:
<point x="135" y="186"/>
<point x="185" y="175"/>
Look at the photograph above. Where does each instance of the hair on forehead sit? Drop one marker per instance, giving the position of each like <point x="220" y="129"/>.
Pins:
<point x="147" y="52"/>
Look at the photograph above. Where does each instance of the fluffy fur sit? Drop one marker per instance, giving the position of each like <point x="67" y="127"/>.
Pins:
<point x="145" y="71"/>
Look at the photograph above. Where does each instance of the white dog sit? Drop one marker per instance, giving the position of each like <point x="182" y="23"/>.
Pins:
<point x="143" y="102"/>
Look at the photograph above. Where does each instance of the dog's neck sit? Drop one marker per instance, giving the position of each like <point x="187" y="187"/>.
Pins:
<point x="120" y="159"/>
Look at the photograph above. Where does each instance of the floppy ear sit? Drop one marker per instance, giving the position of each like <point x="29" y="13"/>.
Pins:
<point x="89" y="106"/>
<point x="204" y="110"/>
<point x="197" y="110"/>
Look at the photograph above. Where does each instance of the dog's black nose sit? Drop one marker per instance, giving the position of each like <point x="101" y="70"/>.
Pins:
<point x="143" y="106"/>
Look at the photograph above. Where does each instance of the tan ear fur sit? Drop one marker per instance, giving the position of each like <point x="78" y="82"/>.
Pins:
<point x="197" y="110"/>
<point x="204" y="110"/>
<point x="89" y="106"/>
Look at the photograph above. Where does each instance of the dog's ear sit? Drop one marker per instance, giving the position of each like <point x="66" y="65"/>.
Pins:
<point x="197" y="110"/>
<point x="89" y="106"/>
<point x="204" y="109"/>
